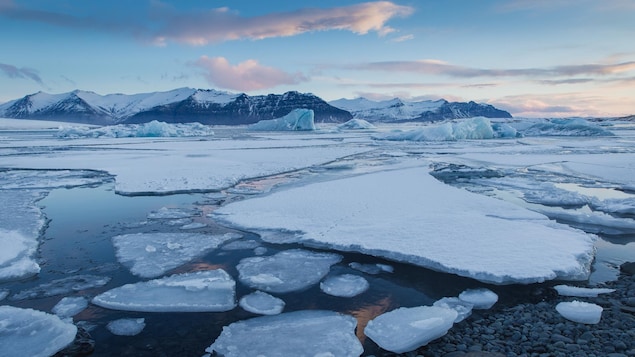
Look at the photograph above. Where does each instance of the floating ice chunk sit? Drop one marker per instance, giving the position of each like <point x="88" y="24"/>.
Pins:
<point x="565" y="127"/>
<point x="262" y="303"/>
<point x="345" y="285"/>
<point x="593" y="222"/>
<point x="355" y="124"/>
<point x="149" y="255"/>
<point x="406" y="329"/>
<point x="372" y="269"/>
<point x="126" y="327"/>
<point x="170" y="213"/>
<point x="462" y="308"/>
<point x="179" y="222"/>
<point x="241" y="244"/>
<point x="625" y="206"/>
<point x="297" y="119"/>
<point x="27" y="332"/>
<point x="482" y="299"/>
<point x="298" y="333"/>
<point x="582" y="312"/>
<point x="210" y="290"/>
<point x="566" y="290"/>
<point x="260" y="250"/>
<point x="16" y="255"/>
<point x="474" y="128"/>
<point x="62" y="286"/>
<point x="289" y="270"/>
<point x="150" y="129"/>
<point x="195" y="225"/>
<point x="70" y="306"/>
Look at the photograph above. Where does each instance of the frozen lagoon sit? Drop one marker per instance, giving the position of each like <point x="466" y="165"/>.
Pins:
<point x="242" y="165"/>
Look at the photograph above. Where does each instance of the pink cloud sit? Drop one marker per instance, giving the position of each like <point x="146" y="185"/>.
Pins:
<point x="245" y="76"/>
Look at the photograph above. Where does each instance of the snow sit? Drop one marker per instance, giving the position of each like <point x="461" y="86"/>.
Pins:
<point x="16" y="255"/>
<point x="286" y="271"/>
<point x="201" y="291"/>
<point x="345" y="285"/>
<point x="625" y="206"/>
<point x="293" y="334"/>
<point x="62" y="286"/>
<point x="297" y="119"/>
<point x="567" y="290"/>
<point x="153" y="129"/>
<point x="70" y="306"/>
<point x="406" y="329"/>
<point x="481" y="299"/>
<point x="462" y="308"/>
<point x="126" y="327"/>
<point x="581" y="312"/>
<point x="467" y="129"/>
<point x="386" y="110"/>
<point x="414" y="218"/>
<point x="149" y="255"/>
<point x="27" y="332"/>
<point x="262" y="303"/>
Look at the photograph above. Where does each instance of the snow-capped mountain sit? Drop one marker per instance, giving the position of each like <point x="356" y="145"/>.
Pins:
<point x="179" y="105"/>
<point x="397" y="110"/>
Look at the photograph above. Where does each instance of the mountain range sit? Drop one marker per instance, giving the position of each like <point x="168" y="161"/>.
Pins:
<point x="209" y="106"/>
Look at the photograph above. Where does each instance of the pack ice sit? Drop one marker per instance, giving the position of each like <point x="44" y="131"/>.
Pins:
<point x="27" y="332"/>
<point x="297" y="119"/>
<point x="306" y="333"/>
<point x="416" y="219"/>
<point x="149" y="255"/>
<point x="289" y="270"/>
<point x="209" y="291"/>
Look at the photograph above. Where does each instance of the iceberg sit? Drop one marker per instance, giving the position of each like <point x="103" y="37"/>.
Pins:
<point x="201" y="291"/>
<point x="462" y="308"/>
<point x="70" y="306"/>
<point x="467" y="129"/>
<point x="416" y="219"/>
<point x="289" y="270"/>
<point x="581" y="312"/>
<point x="481" y="299"/>
<point x="153" y="129"/>
<point x="565" y="127"/>
<point x="355" y="124"/>
<point x="262" y="303"/>
<point x="566" y="290"/>
<point x="149" y="255"/>
<point x="126" y="327"/>
<point x="406" y="329"/>
<point x="345" y="285"/>
<point x="27" y="332"/>
<point x="306" y="333"/>
<point x="297" y="119"/>
<point x="62" y="286"/>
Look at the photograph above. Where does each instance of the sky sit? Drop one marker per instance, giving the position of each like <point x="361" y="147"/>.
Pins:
<point x="533" y="58"/>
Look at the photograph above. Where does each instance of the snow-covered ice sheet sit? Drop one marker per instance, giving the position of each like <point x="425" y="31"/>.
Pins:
<point x="70" y="306"/>
<point x="567" y="290"/>
<point x="28" y="332"/>
<point x="262" y="303"/>
<point x="581" y="312"/>
<point x="293" y="334"/>
<point x="415" y="218"/>
<point x="406" y="329"/>
<point x="126" y="327"/>
<point x="202" y="291"/>
<point x="289" y="270"/>
<point x="149" y="255"/>
<point x="345" y="285"/>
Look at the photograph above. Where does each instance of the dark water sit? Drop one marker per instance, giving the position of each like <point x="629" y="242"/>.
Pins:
<point x="77" y="241"/>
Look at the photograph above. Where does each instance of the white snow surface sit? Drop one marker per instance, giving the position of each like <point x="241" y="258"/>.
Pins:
<point x="262" y="303"/>
<point x="201" y="291"/>
<point x="149" y="255"/>
<point x="415" y="218"/>
<point x="70" y="306"/>
<point x="581" y="312"/>
<point x="126" y="327"/>
<point x="296" y="120"/>
<point x="567" y="290"/>
<point x="28" y="332"/>
<point x="286" y="271"/>
<point x="481" y="299"/>
<point x="345" y="285"/>
<point x="306" y="333"/>
<point x="406" y="329"/>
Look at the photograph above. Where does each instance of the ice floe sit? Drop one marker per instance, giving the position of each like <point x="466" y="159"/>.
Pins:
<point x="297" y="119"/>
<point x="126" y="327"/>
<point x="415" y="218"/>
<point x="406" y="329"/>
<point x="262" y="303"/>
<point x="567" y="290"/>
<point x="27" y="332"/>
<point x="171" y="213"/>
<point x="481" y="299"/>
<point x="210" y="290"/>
<point x="241" y="244"/>
<point x="149" y="255"/>
<point x="286" y="271"/>
<point x="16" y="256"/>
<point x="195" y="225"/>
<point x="582" y="312"/>
<point x="293" y="334"/>
<point x="462" y="308"/>
<point x="345" y="285"/>
<point x="70" y="306"/>
<point x="62" y="286"/>
<point x="150" y="129"/>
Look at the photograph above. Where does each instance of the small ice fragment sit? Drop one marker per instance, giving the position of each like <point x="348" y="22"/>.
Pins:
<point x="70" y="306"/>
<point x="195" y="225"/>
<point x="582" y="312"/>
<point x="126" y="327"/>
<point x="566" y="290"/>
<point x="260" y="250"/>
<point x="345" y="285"/>
<point x="482" y="299"/>
<point x="372" y="269"/>
<point x="262" y="303"/>
<point x="241" y="244"/>
<point x="462" y="308"/>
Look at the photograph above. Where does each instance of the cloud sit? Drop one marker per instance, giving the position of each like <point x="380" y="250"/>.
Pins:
<point x="164" y="24"/>
<point x="403" y="38"/>
<point x="550" y="105"/>
<point x="245" y="76"/>
<point x="15" y="72"/>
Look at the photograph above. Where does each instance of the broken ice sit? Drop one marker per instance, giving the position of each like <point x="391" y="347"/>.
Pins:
<point x="462" y="308"/>
<point x="297" y="119"/>
<point x="261" y="303"/>
<point x="126" y="327"/>
<point x="62" y="286"/>
<point x="345" y="285"/>
<point x="582" y="312"/>
<point x="70" y="306"/>
<point x="481" y="299"/>
<point x="566" y="290"/>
